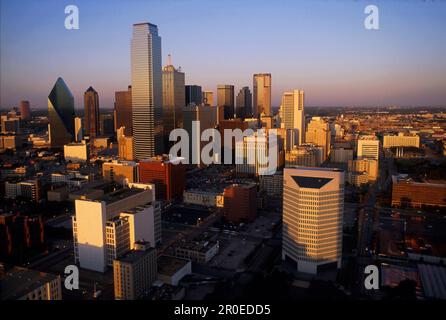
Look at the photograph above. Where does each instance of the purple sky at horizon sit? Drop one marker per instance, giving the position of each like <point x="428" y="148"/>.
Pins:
<point x="321" y="47"/>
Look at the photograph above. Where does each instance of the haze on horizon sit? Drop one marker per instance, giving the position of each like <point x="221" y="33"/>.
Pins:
<point x="319" y="46"/>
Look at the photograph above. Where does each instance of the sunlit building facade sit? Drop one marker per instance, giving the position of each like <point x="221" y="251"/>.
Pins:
<point x="262" y="94"/>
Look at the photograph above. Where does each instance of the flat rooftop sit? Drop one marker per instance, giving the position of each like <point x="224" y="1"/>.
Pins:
<point x="120" y="194"/>
<point x="170" y="265"/>
<point x="19" y="281"/>
<point x="135" y="255"/>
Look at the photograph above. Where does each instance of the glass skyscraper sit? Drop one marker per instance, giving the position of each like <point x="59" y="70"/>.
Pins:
<point x="60" y="115"/>
<point x="262" y="94"/>
<point x="146" y="91"/>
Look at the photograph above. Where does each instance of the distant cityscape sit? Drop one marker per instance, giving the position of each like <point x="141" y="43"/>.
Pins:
<point x="105" y="193"/>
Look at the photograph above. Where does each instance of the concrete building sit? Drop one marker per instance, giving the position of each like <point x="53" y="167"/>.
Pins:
<point x="225" y="99"/>
<point x="168" y="176"/>
<point x="135" y="272"/>
<point x="306" y="155"/>
<point x="341" y="155"/>
<point x="272" y="184"/>
<point x="147" y="98"/>
<point x="313" y="207"/>
<point x="240" y="203"/>
<point x="208" y="198"/>
<point x="120" y="172"/>
<point x="78" y="130"/>
<point x="125" y="145"/>
<point x="408" y="192"/>
<point x="76" y="152"/>
<point x="198" y="251"/>
<point x="171" y="270"/>
<point x="293" y="114"/>
<point x="401" y="140"/>
<point x="367" y="165"/>
<point x="318" y="133"/>
<point x="28" y="189"/>
<point x="369" y="147"/>
<point x="25" y="111"/>
<point x="261" y="94"/>
<point x="107" y="228"/>
<point x="25" y="284"/>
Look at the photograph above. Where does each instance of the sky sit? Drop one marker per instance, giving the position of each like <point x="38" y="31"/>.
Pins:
<point x="320" y="46"/>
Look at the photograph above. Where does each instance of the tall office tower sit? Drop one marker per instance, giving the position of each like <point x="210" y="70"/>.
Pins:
<point x="78" y="130"/>
<point x="60" y="114"/>
<point x="105" y="229"/>
<point x="147" y="91"/>
<point x="208" y="98"/>
<point x="368" y="147"/>
<point x="313" y="207"/>
<point x="225" y="99"/>
<point x="134" y="273"/>
<point x="25" y="111"/>
<point x="206" y="118"/>
<point x="173" y="101"/>
<point x="262" y="94"/>
<point x="168" y="175"/>
<point x="293" y="114"/>
<point x="318" y="133"/>
<point x="244" y="103"/>
<point x="106" y="124"/>
<point x="193" y="95"/>
<point x="123" y="111"/>
<point x="91" y="112"/>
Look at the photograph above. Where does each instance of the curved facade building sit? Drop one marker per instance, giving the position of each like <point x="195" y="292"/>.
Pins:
<point x="60" y="114"/>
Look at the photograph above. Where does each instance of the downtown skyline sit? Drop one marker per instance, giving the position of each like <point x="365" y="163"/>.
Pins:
<point x="338" y="63"/>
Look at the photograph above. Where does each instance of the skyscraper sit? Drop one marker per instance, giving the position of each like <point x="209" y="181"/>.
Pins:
<point x="293" y="114"/>
<point x="78" y="129"/>
<point x="193" y="95"/>
<point x="369" y="147"/>
<point x="225" y="99"/>
<point x="25" y="111"/>
<point x="262" y="94"/>
<point x="147" y="96"/>
<point x="244" y="103"/>
<point x="91" y="112"/>
<point x="318" y="133"/>
<point x="208" y="98"/>
<point x="123" y="110"/>
<point x="60" y="114"/>
<point x="313" y="207"/>
<point x="173" y="101"/>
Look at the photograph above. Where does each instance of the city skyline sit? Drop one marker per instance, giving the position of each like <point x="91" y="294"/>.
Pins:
<point x="315" y="61"/>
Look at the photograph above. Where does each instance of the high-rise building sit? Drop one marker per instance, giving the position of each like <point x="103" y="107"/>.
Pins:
<point x="401" y="140"/>
<point x="261" y="94"/>
<point x="318" y="133"/>
<point x="205" y="118"/>
<point x="135" y="272"/>
<point x="293" y="114"/>
<point x="368" y="147"/>
<point x="306" y="155"/>
<point x="60" y="114"/>
<point x="225" y="99"/>
<point x="123" y="111"/>
<point x="168" y="176"/>
<point x="107" y="228"/>
<point x="147" y="92"/>
<point x="25" y="111"/>
<point x="106" y="124"/>
<point x="78" y="129"/>
<point x="193" y="95"/>
<point x="313" y="207"/>
<point x="91" y="112"/>
<point x="173" y="101"/>
<point x="208" y="98"/>
<point x="244" y="103"/>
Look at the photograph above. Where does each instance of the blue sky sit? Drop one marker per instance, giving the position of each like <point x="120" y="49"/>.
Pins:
<point x="320" y="46"/>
